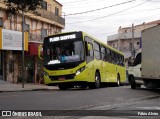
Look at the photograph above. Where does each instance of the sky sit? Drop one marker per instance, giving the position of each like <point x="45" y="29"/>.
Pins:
<point x="102" y="18"/>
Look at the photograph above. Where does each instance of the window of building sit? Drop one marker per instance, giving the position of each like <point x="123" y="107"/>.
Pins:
<point x="27" y="27"/>
<point x="43" y="33"/>
<point x="113" y="45"/>
<point x="137" y="43"/>
<point x="56" y="11"/>
<point x="1" y="22"/>
<point x="44" y="5"/>
<point x="130" y="46"/>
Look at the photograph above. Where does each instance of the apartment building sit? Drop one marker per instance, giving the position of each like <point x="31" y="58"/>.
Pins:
<point x="38" y="24"/>
<point x="129" y="37"/>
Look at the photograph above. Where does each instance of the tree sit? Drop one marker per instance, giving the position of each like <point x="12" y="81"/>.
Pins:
<point x="15" y="6"/>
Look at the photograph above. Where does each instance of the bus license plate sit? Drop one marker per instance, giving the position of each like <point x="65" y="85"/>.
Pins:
<point x="61" y="79"/>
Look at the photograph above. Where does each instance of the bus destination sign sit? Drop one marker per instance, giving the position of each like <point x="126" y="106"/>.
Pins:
<point x="66" y="37"/>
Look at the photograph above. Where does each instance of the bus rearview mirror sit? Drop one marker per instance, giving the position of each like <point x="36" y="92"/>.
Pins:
<point x="40" y="52"/>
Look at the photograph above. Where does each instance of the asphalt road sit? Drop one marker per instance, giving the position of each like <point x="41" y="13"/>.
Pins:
<point x="95" y="101"/>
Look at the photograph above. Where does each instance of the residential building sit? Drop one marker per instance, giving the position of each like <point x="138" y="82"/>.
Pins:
<point x="129" y="37"/>
<point x="45" y="21"/>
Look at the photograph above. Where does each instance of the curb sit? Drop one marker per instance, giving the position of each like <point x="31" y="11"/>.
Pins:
<point x="27" y="90"/>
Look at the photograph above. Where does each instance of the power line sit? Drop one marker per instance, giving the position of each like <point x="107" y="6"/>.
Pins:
<point x="83" y="1"/>
<point x="73" y="1"/>
<point x="135" y="12"/>
<point x="100" y="8"/>
<point x="111" y="14"/>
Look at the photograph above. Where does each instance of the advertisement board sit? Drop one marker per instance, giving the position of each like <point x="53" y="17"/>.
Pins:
<point x="12" y="40"/>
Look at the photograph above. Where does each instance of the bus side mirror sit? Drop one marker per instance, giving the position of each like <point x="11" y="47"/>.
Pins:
<point x="89" y="47"/>
<point x="40" y="52"/>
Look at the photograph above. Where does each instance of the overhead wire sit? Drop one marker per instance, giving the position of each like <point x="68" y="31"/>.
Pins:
<point x="74" y="1"/>
<point x="110" y="14"/>
<point x="137" y="12"/>
<point x="114" y="25"/>
<point x="70" y="24"/>
<point x="100" y="8"/>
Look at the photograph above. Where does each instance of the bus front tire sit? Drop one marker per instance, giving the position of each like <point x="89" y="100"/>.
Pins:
<point x="62" y="87"/>
<point x="97" y="82"/>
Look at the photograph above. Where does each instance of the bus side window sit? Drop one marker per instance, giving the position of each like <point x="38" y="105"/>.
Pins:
<point x="117" y="59"/>
<point x="112" y="57"/>
<point x="97" y="50"/>
<point x="103" y="53"/>
<point x="89" y="51"/>
<point x="121" y="60"/>
<point x="108" y="55"/>
<point x="86" y="47"/>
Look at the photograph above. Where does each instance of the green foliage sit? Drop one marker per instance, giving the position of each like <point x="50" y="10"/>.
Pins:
<point x="14" y="6"/>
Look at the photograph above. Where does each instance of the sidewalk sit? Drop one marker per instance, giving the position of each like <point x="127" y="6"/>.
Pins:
<point x="12" y="87"/>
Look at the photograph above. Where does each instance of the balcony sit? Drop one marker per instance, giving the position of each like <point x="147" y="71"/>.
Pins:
<point x="43" y="13"/>
<point x="50" y="15"/>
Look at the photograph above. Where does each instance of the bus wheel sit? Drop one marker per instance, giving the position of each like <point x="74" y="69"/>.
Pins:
<point x="118" y="81"/>
<point x="133" y="83"/>
<point x="97" y="82"/>
<point x="62" y="87"/>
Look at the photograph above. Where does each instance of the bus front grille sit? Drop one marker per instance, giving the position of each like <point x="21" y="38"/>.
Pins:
<point x="63" y="77"/>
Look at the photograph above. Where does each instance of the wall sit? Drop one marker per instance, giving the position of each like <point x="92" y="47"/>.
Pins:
<point x="51" y="4"/>
<point x="137" y="28"/>
<point x="36" y="23"/>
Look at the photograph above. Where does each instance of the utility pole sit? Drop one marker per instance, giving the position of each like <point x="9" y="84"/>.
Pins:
<point x="133" y="51"/>
<point x="118" y="39"/>
<point x="22" y="49"/>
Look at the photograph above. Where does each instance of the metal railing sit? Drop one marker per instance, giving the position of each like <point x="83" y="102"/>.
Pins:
<point x="50" y="15"/>
<point x="46" y="14"/>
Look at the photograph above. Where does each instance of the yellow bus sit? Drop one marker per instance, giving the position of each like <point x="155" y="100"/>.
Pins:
<point x="77" y="59"/>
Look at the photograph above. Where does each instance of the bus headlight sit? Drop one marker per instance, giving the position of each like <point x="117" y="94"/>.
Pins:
<point x="46" y="74"/>
<point x="80" y="70"/>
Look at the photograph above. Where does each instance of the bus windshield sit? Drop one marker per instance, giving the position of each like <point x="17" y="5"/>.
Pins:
<point x="63" y="52"/>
